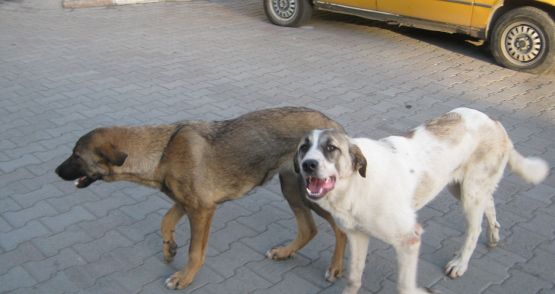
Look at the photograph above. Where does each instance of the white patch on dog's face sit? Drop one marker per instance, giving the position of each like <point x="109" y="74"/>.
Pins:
<point x="320" y="157"/>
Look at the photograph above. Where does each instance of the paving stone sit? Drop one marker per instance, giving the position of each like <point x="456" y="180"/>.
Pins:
<point x="47" y="268"/>
<point x="103" y="207"/>
<point x="541" y="265"/>
<point x="29" y="199"/>
<point x="11" y="165"/>
<point x="9" y="205"/>
<point x="261" y="220"/>
<point x="228" y="212"/>
<point x="541" y="192"/>
<point x="59" y="222"/>
<point x="4" y="226"/>
<point x="17" y="277"/>
<point x="152" y="269"/>
<point x="21" y="217"/>
<point x="17" y="175"/>
<point x="222" y="239"/>
<point x="140" y="210"/>
<point x="32" y="229"/>
<point x="70" y="200"/>
<point x="25" y="252"/>
<point x="291" y="284"/>
<point x="243" y="281"/>
<point x="522" y="242"/>
<point x="238" y="256"/>
<point x="473" y="281"/>
<point x="436" y="232"/>
<point x="93" y="250"/>
<point x="520" y="282"/>
<point x="273" y="270"/>
<point x="52" y="244"/>
<point x="541" y="224"/>
<point x="98" y="227"/>
<point x="138" y="230"/>
<point x="105" y="285"/>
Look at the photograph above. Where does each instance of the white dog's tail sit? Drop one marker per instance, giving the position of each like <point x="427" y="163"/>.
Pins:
<point x="531" y="169"/>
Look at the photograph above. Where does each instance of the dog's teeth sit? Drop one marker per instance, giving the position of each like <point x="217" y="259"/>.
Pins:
<point x="76" y="182"/>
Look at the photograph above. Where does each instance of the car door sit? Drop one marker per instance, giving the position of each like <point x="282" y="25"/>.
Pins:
<point x="457" y="12"/>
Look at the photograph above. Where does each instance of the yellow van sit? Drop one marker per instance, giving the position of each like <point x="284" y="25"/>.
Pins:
<point x="520" y="33"/>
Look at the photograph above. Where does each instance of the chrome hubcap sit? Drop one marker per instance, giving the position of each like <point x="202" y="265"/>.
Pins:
<point x="284" y="8"/>
<point x="523" y="42"/>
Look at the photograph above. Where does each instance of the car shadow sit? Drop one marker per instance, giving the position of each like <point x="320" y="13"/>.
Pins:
<point x="457" y="43"/>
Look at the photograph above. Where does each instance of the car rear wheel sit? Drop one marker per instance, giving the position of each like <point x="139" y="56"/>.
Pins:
<point x="523" y="39"/>
<point x="288" y="13"/>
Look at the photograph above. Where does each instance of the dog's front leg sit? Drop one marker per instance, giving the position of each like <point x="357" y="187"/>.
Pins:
<point x="200" y="221"/>
<point x="358" y="245"/>
<point x="172" y="217"/>
<point x="407" y="250"/>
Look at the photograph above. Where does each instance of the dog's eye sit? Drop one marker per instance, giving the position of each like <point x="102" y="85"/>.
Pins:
<point x="330" y="148"/>
<point x="303" y="148"/>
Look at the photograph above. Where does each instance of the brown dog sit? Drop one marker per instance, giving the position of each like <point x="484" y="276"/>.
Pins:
<point x="201" y="164"/>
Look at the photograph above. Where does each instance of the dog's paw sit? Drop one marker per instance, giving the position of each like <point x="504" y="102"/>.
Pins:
<point x="169" y="249"/>
<point x="456" y="267"/>
<point x="493" y="235"/>
<point x="177" y="281"/>
<point x="333" y="274"/>
<point x="279" y="253"/>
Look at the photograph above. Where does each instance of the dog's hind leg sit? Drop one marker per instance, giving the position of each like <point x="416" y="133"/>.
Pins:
<point x="335" y="270"/>
<point x="306" y="228"/>
<point x="200" y="220"/>
<point x="478" y="185"/>
<point x="167" y="228"/>
<point x="493" y="225"/>
<point x="475" y="195"/>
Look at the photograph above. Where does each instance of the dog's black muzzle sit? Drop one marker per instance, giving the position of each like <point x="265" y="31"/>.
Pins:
<point x="69" y="170"/>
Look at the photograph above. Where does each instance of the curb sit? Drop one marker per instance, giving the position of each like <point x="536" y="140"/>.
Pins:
<point x="100" y="3"/>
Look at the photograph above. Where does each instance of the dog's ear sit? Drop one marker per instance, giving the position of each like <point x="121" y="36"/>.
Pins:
<point x="359" y="161"/>
<point x="111" y="154"/>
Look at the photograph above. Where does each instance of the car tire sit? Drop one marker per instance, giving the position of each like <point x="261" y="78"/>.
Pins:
<point x="288" y="13"/>
<point x="523" y="39"/>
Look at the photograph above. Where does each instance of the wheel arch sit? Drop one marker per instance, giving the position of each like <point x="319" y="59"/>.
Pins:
<point x="508" y="5"/>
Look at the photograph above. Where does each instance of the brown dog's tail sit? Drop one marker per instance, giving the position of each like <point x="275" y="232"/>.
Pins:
<point x="531" y="169"/>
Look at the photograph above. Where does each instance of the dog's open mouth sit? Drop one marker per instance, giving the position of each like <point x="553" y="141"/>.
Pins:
<point x="317" y="188"/>
<point x="84" y="181"/>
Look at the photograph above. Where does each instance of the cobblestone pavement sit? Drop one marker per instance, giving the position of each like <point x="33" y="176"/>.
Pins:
<point x="64" y="72"/>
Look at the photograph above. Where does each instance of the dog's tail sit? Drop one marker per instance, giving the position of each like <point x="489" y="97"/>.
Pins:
<point x="531" y="169"/>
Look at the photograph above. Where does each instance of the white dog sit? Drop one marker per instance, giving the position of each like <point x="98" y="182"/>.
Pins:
<point x="374" y="188"/>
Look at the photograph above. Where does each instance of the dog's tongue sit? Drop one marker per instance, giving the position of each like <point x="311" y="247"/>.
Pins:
<point x="317" y="186"/>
